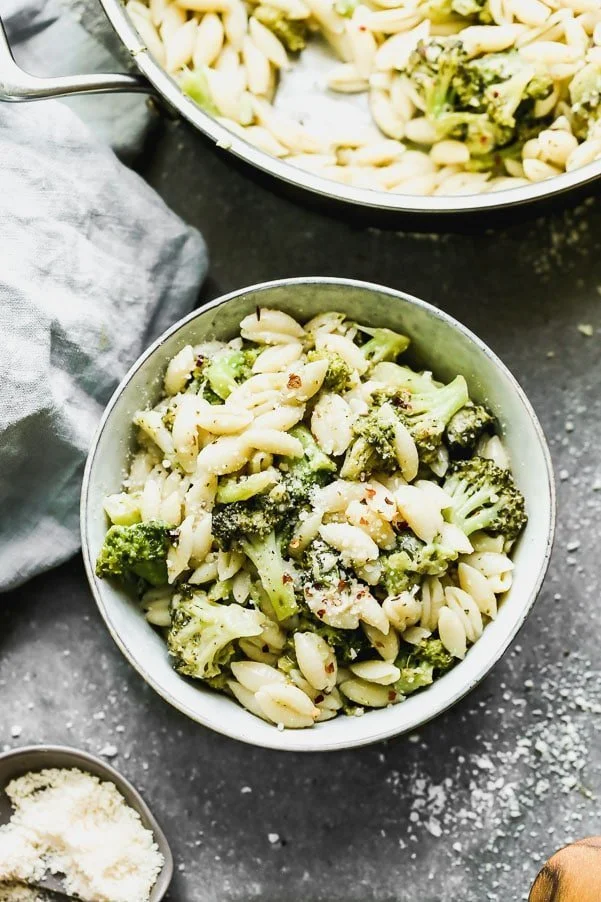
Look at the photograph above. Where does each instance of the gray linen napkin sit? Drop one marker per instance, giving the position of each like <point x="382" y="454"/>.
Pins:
<point x="92" y="266"/>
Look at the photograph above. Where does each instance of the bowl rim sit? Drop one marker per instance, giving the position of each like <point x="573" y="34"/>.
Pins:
<point x="165" y="875"/>
<point x="380" y="734"/>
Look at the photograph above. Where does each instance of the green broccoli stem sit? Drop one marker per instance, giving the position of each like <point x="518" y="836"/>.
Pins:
<point x="223" y="371"/>
<point x="265" y="554"/>
<point x="313" y="453"/>
<point x="232" y="489"/>
<point x="441" y="403"/>
<point x="384" y="345"/>
<point x="196" y="85"/>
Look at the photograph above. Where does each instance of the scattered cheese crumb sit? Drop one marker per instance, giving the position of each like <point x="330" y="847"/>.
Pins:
<point x="15" y="731"/>
<point x="109" y="751"/>
<point x="586" y="329"/>
<point x="273" y="838"/>
<point x="68" y="822"/>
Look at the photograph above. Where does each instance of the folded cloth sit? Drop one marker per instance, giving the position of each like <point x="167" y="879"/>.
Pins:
<point x="93" y="266"/>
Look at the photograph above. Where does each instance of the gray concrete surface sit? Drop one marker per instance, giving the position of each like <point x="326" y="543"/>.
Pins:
<point x="469" y="807"/>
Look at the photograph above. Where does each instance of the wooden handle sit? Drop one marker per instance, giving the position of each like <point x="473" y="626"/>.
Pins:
<point x="572" y="875"/>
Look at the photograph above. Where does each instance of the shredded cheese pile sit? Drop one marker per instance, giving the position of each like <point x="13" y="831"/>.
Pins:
<point x="68" y="822"/>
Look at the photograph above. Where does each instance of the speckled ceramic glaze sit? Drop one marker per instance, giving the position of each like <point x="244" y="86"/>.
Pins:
<point x="439" y="343"/>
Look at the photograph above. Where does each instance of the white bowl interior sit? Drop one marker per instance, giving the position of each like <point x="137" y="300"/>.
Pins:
<point x="438" y="343"/>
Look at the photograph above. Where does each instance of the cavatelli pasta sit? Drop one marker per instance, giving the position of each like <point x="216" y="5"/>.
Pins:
<point x="297" y="523"/>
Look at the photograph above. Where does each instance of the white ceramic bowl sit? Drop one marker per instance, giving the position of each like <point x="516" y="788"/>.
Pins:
<point x="438" y="343"/>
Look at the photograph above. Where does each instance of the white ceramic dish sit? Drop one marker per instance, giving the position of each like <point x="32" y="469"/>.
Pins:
<point x="439" y="343"/>
<point x="18" y="762"/>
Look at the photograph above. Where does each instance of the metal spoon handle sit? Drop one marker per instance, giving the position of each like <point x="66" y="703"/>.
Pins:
<point x="17" y="86"/>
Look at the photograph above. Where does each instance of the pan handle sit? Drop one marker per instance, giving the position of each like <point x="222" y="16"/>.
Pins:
<point x="17" y="85"/>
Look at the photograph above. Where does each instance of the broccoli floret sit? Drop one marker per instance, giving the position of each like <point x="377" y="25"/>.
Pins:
<point x="484" y="497"/>
<point x="415" y="674"/>
<point x="280" y="506"/>
<point x="474" y="10"/>
<point x="256" y="517"/>
<point x="384" y="344"/>
<point x="339" y="375"/>
<point x="426" y="408"/>
<point x="136" y="554"/>
<point x="196" y="85"/>
<point x="433" y="68"/>
<point x="420" y="404"/>
<point x="426" y="414"/>
<point x="585" y="97"/>
<point x="486" y="102"/>
<point x="277" y="581"/>
<point x="202" y="634"/>
<point x="434" y="652"/>
<point x="373" y="446"/>
<point x="314" y="461"/>
<point x="420" y="664"/>
<point x="227" y="370"/>
<point x="515" y="97"/>
<point x="466" y="426"/>
<point x="494" y="161"/>
<point x="291" y="32"/>
<point x="346" y="8"/>
<point x="396" y="576"/>
<point x="410" y="559"/>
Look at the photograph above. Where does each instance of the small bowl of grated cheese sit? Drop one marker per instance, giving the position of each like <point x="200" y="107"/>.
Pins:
<point x="70" y="822"/>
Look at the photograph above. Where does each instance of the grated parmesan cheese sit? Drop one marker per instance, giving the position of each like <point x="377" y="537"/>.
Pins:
<point x="71" y="823"/>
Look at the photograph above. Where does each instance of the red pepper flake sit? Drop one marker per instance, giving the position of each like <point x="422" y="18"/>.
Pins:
<point x="286" y="578"/>
<point x="391" y="695"/>
<point x="294" y="381"/>
<point x="362" y="28"/>
<point x="364" y="521"/>
<point x="318" y="699"/>
<point x="294" y="544"/>
<point x="342" y="585"/>
<point x="321" y="613"/>
<point x="330" y="668"/>
<point x="200" y="360"/>
<point x="388" y="500"/>
<point x="371" y="493"/>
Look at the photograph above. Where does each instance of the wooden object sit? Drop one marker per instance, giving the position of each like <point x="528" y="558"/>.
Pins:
<point x="572" y="875"/>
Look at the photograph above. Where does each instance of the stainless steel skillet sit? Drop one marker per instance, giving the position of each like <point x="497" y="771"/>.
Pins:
<point x="442" y="211"/>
